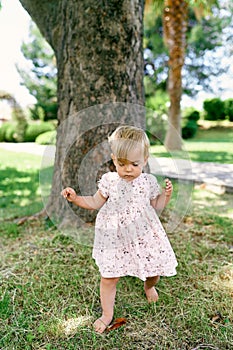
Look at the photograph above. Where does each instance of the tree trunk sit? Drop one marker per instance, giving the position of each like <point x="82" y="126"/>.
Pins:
<point x="175" y="26"/>
<point x="98" y="47"/>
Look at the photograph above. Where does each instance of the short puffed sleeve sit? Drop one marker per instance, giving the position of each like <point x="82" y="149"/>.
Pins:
<point x="104" y="184"/>
<point x="155" y="189"/>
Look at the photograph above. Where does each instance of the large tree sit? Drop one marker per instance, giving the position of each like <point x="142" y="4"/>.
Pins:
<point x="98" y="48"/>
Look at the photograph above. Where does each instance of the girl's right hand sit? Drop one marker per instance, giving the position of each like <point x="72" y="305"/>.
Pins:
<point x="69" y="194"/>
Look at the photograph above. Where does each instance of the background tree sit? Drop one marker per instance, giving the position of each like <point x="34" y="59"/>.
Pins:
<point x="18" y="117"/>
<point x="98" y="49"/>
<point x="175" y="23"/>
<point x="175" y="27"/>
<point x="40" y="77"/>
<point x="206" y="39"/>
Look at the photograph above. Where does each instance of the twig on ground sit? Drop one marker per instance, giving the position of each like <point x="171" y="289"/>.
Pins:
<point x="36" y="216"/>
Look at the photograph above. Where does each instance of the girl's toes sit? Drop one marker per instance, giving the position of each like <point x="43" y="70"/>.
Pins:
<point x="100" y="325"/>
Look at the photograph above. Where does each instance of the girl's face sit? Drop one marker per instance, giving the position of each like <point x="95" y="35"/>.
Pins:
<point x="129" y="169"/>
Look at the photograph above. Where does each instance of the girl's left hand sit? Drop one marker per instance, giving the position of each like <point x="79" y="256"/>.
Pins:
<point x="168" y="187"/>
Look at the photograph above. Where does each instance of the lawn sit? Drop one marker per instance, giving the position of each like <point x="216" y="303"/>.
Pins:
<point x="212" y="143"/>
<point x="49" y="282"/>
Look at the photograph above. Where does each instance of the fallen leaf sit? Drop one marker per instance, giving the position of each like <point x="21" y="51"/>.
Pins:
<point x="217" y="317"/>
<point x="118" y="322"/>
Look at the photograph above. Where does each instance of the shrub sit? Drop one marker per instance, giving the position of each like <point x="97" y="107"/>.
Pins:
<point x="189" y="122"/>
<point x="190" y="129"/>
<point x="3" y="129"/>
<point x="228" y="104"/>
<point x="214" y="109"/>
<point x="155" y="126"/>
<point x="35" y="129"/>
<point x="47" y="138"/>
<point x="191" y="114"/>
<point x="11" y="133"/>
<point x="8" y="132"/>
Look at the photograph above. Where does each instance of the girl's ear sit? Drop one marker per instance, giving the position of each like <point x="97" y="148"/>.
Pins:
<point x="113" y="159"/>
<point x="145" y="161"/>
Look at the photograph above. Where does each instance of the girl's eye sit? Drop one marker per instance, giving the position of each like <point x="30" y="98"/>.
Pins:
<point x="135" y="164"/>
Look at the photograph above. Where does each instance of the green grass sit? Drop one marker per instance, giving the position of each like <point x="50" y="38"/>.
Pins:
<point x="49" y="283"/>
<point x="19" y="191"/>
<point x="212" y="143"/>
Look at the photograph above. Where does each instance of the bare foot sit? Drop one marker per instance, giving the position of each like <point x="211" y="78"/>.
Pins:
<point x="151" y="294"/>
<point x="101" y="324"/>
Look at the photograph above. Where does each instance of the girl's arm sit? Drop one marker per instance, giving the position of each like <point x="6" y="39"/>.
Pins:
<point x="87" y="202"/>
<point x="160" y="202"/>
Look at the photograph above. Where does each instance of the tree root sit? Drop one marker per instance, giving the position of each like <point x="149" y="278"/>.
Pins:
<point x="39" y="215"/>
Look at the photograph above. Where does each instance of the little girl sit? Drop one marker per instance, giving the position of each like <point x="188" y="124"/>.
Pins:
<point x="129" y="237"/>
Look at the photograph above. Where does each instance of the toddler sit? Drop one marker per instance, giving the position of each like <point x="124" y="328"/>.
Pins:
<point x="129" y="237"/>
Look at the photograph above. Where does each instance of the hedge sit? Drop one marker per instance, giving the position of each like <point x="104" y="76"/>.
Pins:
<point x="35" y="129"/>
<point x="47" y="138"/>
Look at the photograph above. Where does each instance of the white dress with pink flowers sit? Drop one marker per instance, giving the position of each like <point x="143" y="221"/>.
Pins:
<point x="129" y="237"/>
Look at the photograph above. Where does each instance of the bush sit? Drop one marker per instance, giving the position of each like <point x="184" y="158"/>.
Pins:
<point x="156" y="117"/>
<point x="190" y="129"/>
<point x="47" y="138"/>
<point x="3" y="129"/>
<point x="155" y="127"/>
<point x="214" y="109"/>
<point x="228" y="104"/>
<point x="191" y="113"/>
<point x="35" y="129"/>
<point x="189" y="122"/>
<point x="8" y="132"/>
<point x="11" y="133"/>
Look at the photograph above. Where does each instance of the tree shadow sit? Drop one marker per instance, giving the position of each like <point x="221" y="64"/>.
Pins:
<point x="19" y="192"/>
<point x="210" y="156"/>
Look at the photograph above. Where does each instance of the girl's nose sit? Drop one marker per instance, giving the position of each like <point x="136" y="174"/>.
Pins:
<point x="128" y="167"/>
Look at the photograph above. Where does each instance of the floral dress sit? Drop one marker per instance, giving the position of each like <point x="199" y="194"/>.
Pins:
<point x="129" y="237"/>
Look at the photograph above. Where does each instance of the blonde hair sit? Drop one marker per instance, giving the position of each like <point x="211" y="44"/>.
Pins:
<point x="126" y="138"/>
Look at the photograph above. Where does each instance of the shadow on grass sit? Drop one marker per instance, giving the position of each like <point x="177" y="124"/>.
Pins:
<point x="211" y="156"/>
<point x="198" y="156"/>
<point x="19" y="192"/>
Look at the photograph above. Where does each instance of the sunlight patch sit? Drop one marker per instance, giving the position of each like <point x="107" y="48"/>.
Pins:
<point x="224" y="278"/>
<point x="70" y="326"/>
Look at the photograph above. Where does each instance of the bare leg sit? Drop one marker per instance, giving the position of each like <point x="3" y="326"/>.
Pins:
<point x="151" y="293"/>
<point x="107" y="298"/>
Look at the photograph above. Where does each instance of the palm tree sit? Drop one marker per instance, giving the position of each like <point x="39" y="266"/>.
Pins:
<point x="175" y="22"/>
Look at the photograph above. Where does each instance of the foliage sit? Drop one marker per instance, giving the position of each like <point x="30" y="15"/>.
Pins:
<point x="191" y="113"/>
<point x="156" y="116"/>
<point x="47" y="138"/>
<point x="228" y="107"/>
<point x="212" y="143"/>
<point x="9" y="132"/>
<point x="203" y="61"/>
<point x="49" y="282"/>
<point x="190" y="118"/>
<point x="189" y="130"/>
<point x="41" y="76"/>
<point x="3" y="130"/>
<point x="35" y="129"/>
<point x="214" y="109"/>
<point x="18" y="116"/>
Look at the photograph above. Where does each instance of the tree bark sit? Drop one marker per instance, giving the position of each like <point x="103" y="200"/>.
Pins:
<point x="175" y="26"/>
<point x="98" y="48"/>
